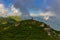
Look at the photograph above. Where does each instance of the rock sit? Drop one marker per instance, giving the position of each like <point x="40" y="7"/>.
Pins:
<point x="47" y="29"/>
<point x="42" y="25"/>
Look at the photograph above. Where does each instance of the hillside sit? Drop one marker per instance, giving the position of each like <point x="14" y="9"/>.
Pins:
<point x="27" y="30"/>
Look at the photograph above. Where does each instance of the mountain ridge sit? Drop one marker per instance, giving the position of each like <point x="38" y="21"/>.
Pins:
<point x="29" y="30"/>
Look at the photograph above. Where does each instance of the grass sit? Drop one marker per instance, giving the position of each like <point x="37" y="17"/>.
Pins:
<point x="26" y="30"/>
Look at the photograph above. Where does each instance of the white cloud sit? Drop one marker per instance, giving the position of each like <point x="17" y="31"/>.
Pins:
<point x="6" y="12"/>
<point x="33" y="15"/>
<point x="45" y="15"/>
<point x="14" y="11"/>
<point x="3" y="11"/>
<point x="1" y="6"/>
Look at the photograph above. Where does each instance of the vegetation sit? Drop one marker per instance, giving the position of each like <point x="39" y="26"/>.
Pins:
<point x="10" y="29"/>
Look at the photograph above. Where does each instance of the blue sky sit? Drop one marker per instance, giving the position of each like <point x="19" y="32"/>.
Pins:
<point x="6" y="2"/>
<point x="36" y="3"/>
<point x="35" y="8"/>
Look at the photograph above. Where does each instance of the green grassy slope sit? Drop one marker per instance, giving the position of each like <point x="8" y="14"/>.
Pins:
<point x="27" y="30"/>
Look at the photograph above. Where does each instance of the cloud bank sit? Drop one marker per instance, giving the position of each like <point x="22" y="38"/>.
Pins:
<point x="3" y="11"/>
<point x="9" y="12"/>
<point x="20" y="5"/>
<point x="45" y="15"/>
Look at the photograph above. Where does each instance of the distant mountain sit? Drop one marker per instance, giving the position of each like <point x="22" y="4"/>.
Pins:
<point x="29" y="30"/>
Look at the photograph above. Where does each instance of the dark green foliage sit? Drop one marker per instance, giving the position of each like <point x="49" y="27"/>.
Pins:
<point x="25" y="30"/>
